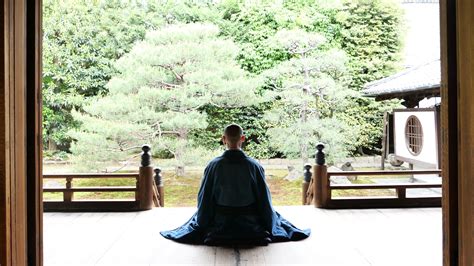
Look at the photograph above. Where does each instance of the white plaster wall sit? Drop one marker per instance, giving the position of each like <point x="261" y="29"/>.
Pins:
<point x="429" y="152"/>
<point x="429" y="102"/>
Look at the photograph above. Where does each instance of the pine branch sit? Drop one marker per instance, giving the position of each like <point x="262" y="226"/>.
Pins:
<point x="179" y="77"/>
<point x="302" y="51"/>
<point x="169" y="85"/>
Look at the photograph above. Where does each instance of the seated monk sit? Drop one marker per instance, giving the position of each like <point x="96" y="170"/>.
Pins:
<point x="234" y="203"/>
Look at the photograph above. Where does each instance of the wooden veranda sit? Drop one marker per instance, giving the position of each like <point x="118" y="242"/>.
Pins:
<point x="339" y="237"/>
<point x="78" y="232"/>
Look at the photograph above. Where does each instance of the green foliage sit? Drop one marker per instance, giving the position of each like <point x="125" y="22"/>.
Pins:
<point x="371" y="36"/>
<point x="55" y="155"/>
<point x="159" y="94"/>
<point x="82" y="39"/>
<point x="252" y="23"/>
<point x="249" y="117"/>
<point x="308" y="90"/>
<point x="368" y="31"/>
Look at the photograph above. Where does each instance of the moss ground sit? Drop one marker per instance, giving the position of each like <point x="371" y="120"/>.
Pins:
<point x="182" y="191"/>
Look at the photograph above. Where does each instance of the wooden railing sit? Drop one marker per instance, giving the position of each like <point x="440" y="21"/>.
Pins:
<point x="317" y="188"/>
<point x="148" y="190"/>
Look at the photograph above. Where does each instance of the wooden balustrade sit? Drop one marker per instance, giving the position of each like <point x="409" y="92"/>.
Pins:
<point x="307" y="183"/>
<point x="159" y="189"/>
<point x="147" y="192"/>
<point x="319" y="189"/>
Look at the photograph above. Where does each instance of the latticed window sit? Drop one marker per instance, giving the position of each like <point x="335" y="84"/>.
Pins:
<point x="414" y="135"/>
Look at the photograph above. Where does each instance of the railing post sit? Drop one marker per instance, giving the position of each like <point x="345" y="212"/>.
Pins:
<point x="160" y="187"/>
<point x="401" y="193"/>
<point x="306" y="181"/>
<point x="321" y="181"/>
<point x="137" y="192"/>
<point x="145" y="180"/>
<point x="68" y="195"/>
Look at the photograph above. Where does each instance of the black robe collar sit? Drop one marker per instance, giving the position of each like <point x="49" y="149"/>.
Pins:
<point x="231" y="154"/>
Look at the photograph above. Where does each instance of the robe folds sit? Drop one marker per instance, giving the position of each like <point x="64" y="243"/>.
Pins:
<point x="234" y="201"/>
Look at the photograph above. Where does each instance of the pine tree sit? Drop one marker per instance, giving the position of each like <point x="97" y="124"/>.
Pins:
<point x="309" y="89"/>
<point x="158" y="96"/>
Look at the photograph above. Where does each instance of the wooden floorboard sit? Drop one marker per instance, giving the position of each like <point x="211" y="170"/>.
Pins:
<point x="339" y="237"/>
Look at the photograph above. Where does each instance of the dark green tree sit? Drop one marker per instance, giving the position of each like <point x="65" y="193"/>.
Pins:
<point x="368" y="31"/>
<point x="251" y="24"/>
<point x="371" y="35"/>
<point x="82" y="39"/>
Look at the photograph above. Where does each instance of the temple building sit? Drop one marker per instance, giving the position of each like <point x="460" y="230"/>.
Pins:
<point x="412" y="134"/>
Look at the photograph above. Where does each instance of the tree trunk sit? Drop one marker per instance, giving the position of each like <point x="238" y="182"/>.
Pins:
<point x="304" y="114"/>
<point x="52" y="145"/>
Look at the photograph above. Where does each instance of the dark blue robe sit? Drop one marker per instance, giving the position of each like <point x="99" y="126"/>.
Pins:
<point x="237" y="181"/>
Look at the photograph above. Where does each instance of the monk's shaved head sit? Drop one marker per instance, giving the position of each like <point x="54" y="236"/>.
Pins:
<point x="233" y="133"/>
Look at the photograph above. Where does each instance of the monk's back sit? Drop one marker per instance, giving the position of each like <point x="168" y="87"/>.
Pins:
<point x="235" y="179"/>
<point x="234" y="203"/>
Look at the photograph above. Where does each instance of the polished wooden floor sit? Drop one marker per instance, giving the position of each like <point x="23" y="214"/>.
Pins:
<point x="339" y="237"/>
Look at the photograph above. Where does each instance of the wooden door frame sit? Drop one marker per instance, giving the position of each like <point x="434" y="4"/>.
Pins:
<point x="20" y="133"/>
<point x="449" y="131"/>
<point x="13" y="129"/>
<point x="34" y="128"/>
<point x="464" y="88"/>
<point x="457" y="92"/>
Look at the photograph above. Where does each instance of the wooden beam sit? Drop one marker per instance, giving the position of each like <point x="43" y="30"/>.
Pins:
<point x="13" y="218"/>
<point x="449" y="131"/>
<point x="34" y="135"/>
<point x="385" y="172"/>
<point x="93" y="189"/>
<point x="465" y="94"/>
<point x="92" y="206"/>
<point x="92" y="175"/>
<point x="385" y="186"/>
<point x="384" y="141"/>
<point x="381" y="203"/>
<point x="20" y="129"/>
<point x="5" y="220"/>
<point x="433" y="92"/>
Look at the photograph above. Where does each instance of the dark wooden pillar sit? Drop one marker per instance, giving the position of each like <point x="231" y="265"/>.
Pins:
<point x="20" y="133"/>
<point x="449" y="132"/>
<point x="465" y="127"/>
<point x="13" y="129"/>
<point x="321" y="181"/>
<point x="160" y="188"/>
<point x="306" y="181"/>
<point x="457" y="130"/>
<point x="145" y="180"/>
<point x="34" y="136"/>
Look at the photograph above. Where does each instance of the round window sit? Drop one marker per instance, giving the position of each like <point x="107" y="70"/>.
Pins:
<point x="414" y="135"/>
